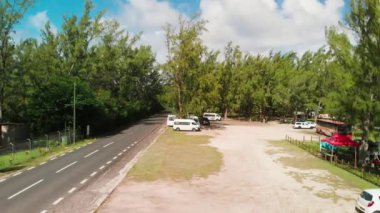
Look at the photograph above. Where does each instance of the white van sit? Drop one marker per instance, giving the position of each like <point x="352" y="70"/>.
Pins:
<point x="170" y="120"/>
<point x="186" y="124"/>
<point x="212" y="116"/>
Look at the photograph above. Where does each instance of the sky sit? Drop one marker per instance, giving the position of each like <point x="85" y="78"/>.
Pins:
<point x="257" y="26"/>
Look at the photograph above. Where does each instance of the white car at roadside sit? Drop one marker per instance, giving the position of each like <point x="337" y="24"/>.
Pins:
<point x="311" y="124"/>
<point x="186" y="124"/>
<point x="303" y="125"/>
<point x="212" y="116"/>
<point x="170" y="120"/>
<point x="368" y="201"/>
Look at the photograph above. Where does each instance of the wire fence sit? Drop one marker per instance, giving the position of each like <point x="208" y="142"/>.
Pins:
<point x="15" y="155"/>
<point x="345" y="158"/>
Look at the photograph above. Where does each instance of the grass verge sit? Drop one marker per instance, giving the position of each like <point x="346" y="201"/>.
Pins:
<point x="21" y="159"/>
<point x="302" y="160"/>
<point x="177" y="156"/>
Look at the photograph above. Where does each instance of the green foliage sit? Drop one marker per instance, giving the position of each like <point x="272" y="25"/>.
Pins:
<point x="116" y="80"/>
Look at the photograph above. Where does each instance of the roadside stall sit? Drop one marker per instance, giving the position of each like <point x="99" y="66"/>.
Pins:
<point x="330" y="146"/>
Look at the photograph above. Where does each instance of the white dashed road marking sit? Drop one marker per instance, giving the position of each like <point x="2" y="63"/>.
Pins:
<point x="71" y="190"/>
<point x="14" y="195"/>
<point x="108" y="162"/>
<point x="94" y="173"/>
<point x="102" y="167"/>
<point x="18" y="173"/>
<point x="66" y="167"/>
<point x="2" y="180"/>
<point x="83" y="181"/>
<point x="42" y="163"/>
<point x="30" y="168"/>
<point x="91" y="153"/>
<point x="57" y="201"/>
<point x="114" y="157"/>
<point x="44" y="211"/>
<point x="119" y="154"/>
<point x="107" y="144"/>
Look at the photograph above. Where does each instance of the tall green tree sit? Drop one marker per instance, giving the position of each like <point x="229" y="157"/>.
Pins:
<point x="185" y="51"/>
<point x="10" y="12"/>
<point x="362" y="60"/>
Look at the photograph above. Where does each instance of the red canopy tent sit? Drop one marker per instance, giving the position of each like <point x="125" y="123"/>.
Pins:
<point x="340" y="140"/>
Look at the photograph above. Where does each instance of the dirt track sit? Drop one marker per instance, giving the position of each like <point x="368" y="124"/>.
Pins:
<point x="253" y="179"/>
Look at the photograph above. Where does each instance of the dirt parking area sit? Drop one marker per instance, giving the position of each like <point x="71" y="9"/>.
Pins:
<point x="258" y="175"/>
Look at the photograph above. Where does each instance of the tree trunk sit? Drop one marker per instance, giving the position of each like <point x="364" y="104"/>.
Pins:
<point x="225" y="113"/>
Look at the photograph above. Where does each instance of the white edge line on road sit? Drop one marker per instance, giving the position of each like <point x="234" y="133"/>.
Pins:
<point x="108" y="162"/>
<point x="42" y="163"/>
<point x="70" y="151"/>
<point x="30" y="168"/>
<point x="2" y="180"/>
<point x="91" y="153"/>
<point x="53" y="158"/>
<point x="15" y="174"/>
<point x="14" y="195"/>
<point x="94" y="173"/>
<point x="66" y="167"/>
<point x="72" y="190"/>
<point x="108" y="144"/>
<point x="57" y="201"/>
<point x="84" y="181"/>
<point x="61" y="155"/>
<point x="102" y="167"/>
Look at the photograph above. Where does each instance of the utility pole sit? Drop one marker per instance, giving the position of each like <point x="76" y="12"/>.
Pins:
<point x="74" y="135"/>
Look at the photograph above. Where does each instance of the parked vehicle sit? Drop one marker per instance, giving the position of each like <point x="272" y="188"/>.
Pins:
<point x="302" y="125"/>
<point x="186" y="124"/>
<point x="328" y="127"/>
<point x="312" y="124"/>
<point x="195" y="118"/>
<point x="204" y="121"/>
<point x="368" y="201"/>
<point x="212" y="116"/>
<point x="170" y="120"/>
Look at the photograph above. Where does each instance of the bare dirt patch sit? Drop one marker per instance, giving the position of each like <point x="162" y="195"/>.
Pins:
<point x="257" y="176"/>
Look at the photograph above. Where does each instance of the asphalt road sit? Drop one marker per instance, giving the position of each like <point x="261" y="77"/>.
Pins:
<point x="48" y="184"/>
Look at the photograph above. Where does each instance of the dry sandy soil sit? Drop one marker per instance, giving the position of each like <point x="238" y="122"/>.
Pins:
<point x="252" y="180"/>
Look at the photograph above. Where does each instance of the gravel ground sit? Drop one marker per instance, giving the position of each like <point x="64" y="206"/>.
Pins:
<point x="251" y="180"/>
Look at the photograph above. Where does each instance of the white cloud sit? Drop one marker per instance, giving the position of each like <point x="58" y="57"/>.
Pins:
<point x="257" y="26"/>
<point x="39" y="20"/>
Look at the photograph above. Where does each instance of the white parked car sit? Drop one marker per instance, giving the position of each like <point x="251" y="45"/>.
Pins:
<point x="212" y="116"/>
<point x="312" y="124"/>
<point x="368" y="201"/>
<point x="170" y="120"/>
<point x="186" y="124"/>
<point x="303" y="125"/>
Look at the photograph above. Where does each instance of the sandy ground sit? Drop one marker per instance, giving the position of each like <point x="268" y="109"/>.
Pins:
<point x="251" y="180"/>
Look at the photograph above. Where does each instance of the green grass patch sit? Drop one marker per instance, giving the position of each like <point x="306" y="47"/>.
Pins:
<point x="21" y="159"/>
<point x="302" y="160"/>
<point x="177" y="156"/>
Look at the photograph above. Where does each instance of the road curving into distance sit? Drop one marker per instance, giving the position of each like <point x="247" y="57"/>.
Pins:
<point x="44" y="186"/>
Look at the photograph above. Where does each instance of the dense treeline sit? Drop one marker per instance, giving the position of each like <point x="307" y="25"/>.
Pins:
<point x="115" y="79"/>
<point x="341" y="79"/>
